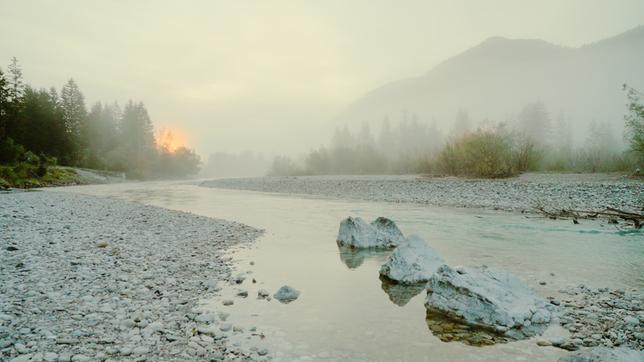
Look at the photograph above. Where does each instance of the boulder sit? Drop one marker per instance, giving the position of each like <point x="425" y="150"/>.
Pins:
<point x="487" y="298"/>
<point x="603" y="354"/>
<point x="356" y="233"/>
<point x="413" y="261"/>
<point x="286" y="294"/>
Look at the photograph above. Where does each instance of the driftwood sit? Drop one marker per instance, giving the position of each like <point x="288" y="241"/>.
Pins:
<point x="609" y="213"/>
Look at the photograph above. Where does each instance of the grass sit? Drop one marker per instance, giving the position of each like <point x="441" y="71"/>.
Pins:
<point x="25" y="176"/>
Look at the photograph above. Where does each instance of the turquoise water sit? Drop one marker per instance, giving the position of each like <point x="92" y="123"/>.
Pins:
<point x="345" y="312"/>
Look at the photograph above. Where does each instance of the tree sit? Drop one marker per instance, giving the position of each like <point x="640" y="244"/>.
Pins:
<point x="16" y="82"/>
<point x="137" y="139"/>
<point x="635" y="123"/>
<point x="15" y="87"/>
<point x="462" y="124"/>
<point x="4" y="103"/>
<point x="534" y="122"/>
<point x="72" y="103"/>
<point x="45" y="127"/>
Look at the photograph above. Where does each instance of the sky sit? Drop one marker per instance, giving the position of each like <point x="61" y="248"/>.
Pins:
<point x="270" y="76"/>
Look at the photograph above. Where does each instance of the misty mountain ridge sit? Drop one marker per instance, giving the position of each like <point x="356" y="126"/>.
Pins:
<point x="496" y="78"/>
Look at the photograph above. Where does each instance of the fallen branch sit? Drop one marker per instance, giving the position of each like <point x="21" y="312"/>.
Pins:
<point x="612" y="214"/>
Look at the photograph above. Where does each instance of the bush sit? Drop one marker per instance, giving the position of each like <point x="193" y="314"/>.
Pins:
<point x="484" y="153"/>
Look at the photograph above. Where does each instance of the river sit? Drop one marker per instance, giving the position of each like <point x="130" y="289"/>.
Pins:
<point x="344" y="311"/>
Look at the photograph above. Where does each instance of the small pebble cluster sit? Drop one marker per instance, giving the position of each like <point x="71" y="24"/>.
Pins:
<point x="90" y="279"/>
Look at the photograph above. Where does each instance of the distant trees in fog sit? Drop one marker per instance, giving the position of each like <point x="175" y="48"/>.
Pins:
<point x="529" y="141"/>
<point x="635" y="122"/>
<point x="56" y="128"/>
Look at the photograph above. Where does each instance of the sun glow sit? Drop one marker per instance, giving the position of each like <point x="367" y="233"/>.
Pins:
<point x="170" y="139"/>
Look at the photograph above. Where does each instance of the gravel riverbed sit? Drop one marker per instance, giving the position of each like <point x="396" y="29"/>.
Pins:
<point x="522" y="193"/>
<point x="92" y="279"/>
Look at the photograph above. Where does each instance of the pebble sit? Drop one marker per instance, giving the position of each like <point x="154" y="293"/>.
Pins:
<point x="558" y="191"/>
<point x="104" y="279"/>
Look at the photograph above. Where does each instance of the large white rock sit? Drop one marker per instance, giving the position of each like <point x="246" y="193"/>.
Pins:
<point x="603" y="354"/>
<point x="413" y="261"/>
<point x="487" y="298"/>
<point x="381" y="233"/>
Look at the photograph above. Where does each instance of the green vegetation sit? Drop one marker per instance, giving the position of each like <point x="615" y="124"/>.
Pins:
<point x="530" y="141"/>
<point x="41" y="128"/>
<point x="635" y="123"/>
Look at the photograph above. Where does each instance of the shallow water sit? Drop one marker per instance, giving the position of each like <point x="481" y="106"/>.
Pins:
<point x="344" y="311"/>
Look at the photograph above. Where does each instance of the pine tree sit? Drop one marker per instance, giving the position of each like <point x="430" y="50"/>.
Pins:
<point x="72" y="103"/>
<point x="4" y="102"/>
<point x="16" y="82"/>
<point x="137" y="137"/>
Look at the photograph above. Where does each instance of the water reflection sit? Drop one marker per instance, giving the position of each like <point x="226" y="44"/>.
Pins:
<point x="353" y="258"/>
<point x="450" y="330"/>
<point x="400" y="294"/>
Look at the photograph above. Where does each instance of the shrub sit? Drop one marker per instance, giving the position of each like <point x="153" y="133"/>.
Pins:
<point x="483" y="153"/>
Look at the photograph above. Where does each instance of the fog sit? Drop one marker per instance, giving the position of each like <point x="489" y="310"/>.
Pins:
<point x="278" y="78"/>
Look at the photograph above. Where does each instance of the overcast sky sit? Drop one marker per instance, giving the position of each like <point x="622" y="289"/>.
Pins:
<point x="270" y="75"/>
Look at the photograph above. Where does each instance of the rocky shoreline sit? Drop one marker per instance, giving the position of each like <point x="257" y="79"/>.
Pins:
<point x="91" y="279"/>
<point x="518" y="194"/>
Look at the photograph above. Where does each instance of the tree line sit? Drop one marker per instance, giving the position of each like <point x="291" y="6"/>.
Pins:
<point x="44" y="127"/>
<point x="530" y="141"/>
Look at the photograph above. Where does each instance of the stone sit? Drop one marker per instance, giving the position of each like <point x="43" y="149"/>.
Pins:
<point x="488" y="298"/>
<point x="286" y="294"/>
<point x="102" y="244"/>
<point x="631" y="321"/>
<point x="354" y="232"/>
<point x="65" y="357"/>
<point x="413" y="261"/>
<point x="205" y="318"/>
<point x="21" y="348"/>
<point x="603" y="354"/>
<point x="140" y="350"/>
<point x="262" y="294"/>
<point x="207" y="330"/>
<point x="228" y="302"/>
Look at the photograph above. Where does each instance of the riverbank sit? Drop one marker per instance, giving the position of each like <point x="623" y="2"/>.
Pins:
<point x="55" y="176"/>
<point x="518" y="194"/>
<point x="86" y="278"/>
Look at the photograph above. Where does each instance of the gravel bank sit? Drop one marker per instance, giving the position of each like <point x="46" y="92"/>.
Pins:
<point x="556" y="191"/>
<point x="85" y="278"/>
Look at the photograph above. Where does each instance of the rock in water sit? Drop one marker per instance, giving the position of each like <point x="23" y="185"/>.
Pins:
<point x="603" y="354"/>
<point x="381" y="233"/>
<point x="286" y="294"/>
<point x="389" y="229"/>
<point x="413" y="261"/>
<point x="487" y="298"/>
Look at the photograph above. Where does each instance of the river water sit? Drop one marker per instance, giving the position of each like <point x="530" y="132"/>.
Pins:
<point x="344" y="311"/>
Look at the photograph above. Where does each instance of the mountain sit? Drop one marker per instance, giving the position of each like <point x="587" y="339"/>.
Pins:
<point x="496" y="78"/>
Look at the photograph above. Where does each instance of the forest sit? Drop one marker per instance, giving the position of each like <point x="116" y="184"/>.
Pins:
<point x="530" y="141"/>
<point x="42" y="128"/>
